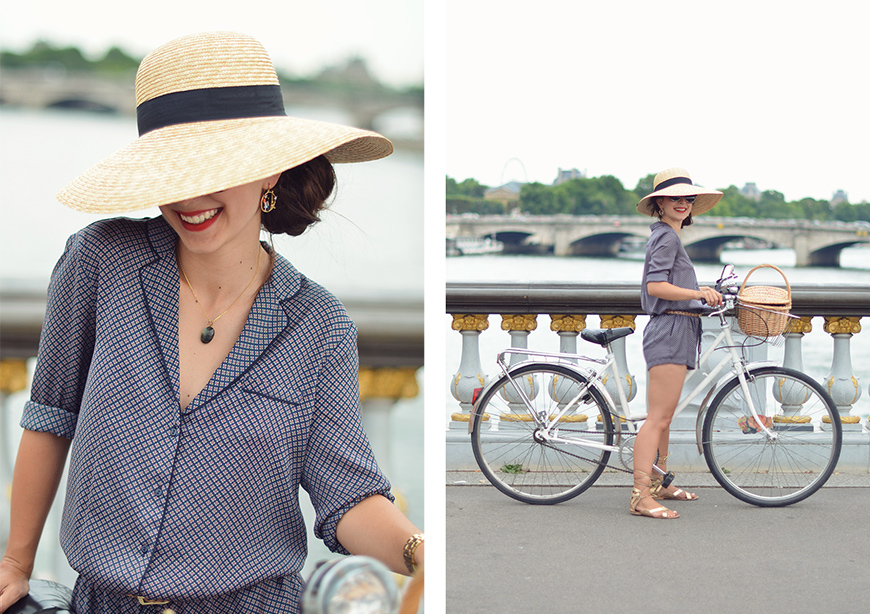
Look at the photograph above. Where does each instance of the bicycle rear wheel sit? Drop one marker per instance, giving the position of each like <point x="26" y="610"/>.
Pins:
<point x="514" y="453"/>
<point x="788" y="468"/>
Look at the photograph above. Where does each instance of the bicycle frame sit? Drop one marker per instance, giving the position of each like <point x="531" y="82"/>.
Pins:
<point x="593" y="377"/>
<point x="542" y="432"/>
<point x="724" y="340"/>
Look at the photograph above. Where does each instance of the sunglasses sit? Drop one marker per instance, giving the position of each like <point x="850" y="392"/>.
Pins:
<point x="676" y="199"/>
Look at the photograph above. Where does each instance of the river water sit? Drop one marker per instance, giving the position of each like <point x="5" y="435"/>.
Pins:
<point x="817" y="345"/>
<point x="367" y="245"/>
<point x="368" y="242"/>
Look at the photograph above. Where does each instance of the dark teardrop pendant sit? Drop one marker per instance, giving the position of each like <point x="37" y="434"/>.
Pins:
<point x="207" y="334"/>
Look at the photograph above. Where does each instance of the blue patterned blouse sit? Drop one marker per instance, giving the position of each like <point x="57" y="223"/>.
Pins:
<point x="192" y="504"/>
<point x="667" y="260"/>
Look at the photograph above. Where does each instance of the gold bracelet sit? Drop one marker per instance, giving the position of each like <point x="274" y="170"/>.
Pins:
<point x="410" y="550"/>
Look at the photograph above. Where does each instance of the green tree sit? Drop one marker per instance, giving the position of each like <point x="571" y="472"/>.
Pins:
<point x="813" y="209"/>
<point x="734" y="204"/>
<point x="116" y="61"/>
<point x="469" y="187"/>
<point x="845" y="212"/>
<point x="606" y="195"/>
<point x="772" y="205"/>
<point x="644" y="186"/>
<point x="587" y="196"/>
<point x="539" y="199"/>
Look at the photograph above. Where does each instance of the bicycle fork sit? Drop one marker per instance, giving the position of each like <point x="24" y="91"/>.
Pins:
<point x="742" y="374"/>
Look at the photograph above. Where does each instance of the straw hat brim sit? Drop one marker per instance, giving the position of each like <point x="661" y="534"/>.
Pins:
<point x="704" y="201"/>
<point x="192" y="159"/>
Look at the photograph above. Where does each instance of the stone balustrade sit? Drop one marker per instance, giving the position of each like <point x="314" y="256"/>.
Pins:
<point x="570" y="308"/>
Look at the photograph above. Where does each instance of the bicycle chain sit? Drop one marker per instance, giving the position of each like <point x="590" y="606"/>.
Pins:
<point x="588" y="460"/>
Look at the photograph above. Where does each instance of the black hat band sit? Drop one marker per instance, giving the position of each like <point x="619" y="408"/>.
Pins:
<point x="672" y="181"/>
<point x="209" y="104"/>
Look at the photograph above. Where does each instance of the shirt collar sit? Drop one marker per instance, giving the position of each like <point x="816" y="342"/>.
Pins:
<point x="274" y="310"/>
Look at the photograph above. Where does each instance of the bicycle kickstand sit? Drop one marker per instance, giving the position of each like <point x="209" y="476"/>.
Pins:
<point x="667" y="478"/>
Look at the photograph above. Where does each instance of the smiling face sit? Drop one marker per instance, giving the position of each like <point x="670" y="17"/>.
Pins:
<point x="225" y="219"/>
<point x="673" y="212"/>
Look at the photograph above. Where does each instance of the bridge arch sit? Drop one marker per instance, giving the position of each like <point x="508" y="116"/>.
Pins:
<point x="517" y="242"/>
<point x="81" y="104"/>
<point x="603" y="244"/>
<point x="814" y="243"/>
<point x="710" y="249"/>
<point x="828" y="256"/>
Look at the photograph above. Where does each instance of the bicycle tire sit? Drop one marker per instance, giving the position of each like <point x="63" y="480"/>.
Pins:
<point x="765" y="472"/>
<point x="525" y="468"/>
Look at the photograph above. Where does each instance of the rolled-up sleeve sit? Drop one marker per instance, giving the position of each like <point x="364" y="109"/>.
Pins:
<point x="66" y="344"/>
<point x="662" y="252"/>
<point x="340" y="469"/>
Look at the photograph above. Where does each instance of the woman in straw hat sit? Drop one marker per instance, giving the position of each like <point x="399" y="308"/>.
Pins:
<point x="671" y="296"/>
<point x="197" y="377"/>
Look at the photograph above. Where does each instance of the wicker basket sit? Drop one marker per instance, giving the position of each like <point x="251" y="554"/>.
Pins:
<point x="763" y="311"/>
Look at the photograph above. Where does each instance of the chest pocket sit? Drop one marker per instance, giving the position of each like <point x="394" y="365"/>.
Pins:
<point x="271" y="427"/>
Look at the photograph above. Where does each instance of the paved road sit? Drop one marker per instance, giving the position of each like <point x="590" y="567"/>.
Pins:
<point x="722" y="555"/>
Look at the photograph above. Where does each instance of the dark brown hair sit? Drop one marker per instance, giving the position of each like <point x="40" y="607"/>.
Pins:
<point x="301" y="194"/>
<point x="657" y="211"/>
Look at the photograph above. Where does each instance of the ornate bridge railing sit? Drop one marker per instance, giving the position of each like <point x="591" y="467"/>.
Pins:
<point x="569" y="308"/>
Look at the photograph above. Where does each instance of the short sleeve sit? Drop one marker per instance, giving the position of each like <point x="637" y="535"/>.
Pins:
<point x="662" y="253"/>
<point x="340" y="469"/>
<point x="66" y="343"/>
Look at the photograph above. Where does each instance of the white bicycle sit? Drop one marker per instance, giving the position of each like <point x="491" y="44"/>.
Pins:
<point x="544" y="431"/>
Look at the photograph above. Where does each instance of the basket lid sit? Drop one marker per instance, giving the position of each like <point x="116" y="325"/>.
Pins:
<point x="765" y="295"/>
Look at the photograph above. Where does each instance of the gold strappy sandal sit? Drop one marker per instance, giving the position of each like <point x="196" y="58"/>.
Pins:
<point x="658" y="491"/>
<point x="637" y="496"/>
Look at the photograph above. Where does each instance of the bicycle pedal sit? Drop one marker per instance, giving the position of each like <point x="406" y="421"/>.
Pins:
<point x="668" y="478"/>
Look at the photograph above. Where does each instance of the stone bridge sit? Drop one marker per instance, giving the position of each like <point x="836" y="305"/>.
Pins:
<point x="814" y="243"/>
<point x="51" y="89"/>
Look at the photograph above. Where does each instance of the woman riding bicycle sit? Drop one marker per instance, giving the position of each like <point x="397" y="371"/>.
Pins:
<point x="671" y="339"/>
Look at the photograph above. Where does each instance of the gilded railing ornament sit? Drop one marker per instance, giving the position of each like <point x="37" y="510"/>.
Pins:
<point x="618" y="321"/>
<point x="464" y="321"/>
<point x="521" y="321"/>
<point x="802" y="325"/>
<point x="567" y="323"/>
<point x="13" y="375"/>
<point x="389" y="383"/>
<point x="842" y="325"/>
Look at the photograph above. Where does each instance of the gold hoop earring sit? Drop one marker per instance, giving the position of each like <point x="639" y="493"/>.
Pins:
<point x="269" y="201"/>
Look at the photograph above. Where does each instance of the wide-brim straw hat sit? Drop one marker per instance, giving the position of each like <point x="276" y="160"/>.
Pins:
<point x="211" y="117"/>
<point x="676" y="182"/>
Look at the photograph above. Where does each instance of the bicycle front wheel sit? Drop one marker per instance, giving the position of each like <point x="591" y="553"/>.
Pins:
<point x="549" y="463"/>
<point x="777" y="470"/>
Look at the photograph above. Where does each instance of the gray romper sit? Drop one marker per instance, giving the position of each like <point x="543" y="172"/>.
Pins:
<point x="669" y="339"/>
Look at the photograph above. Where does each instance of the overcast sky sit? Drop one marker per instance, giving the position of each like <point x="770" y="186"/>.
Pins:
<point x="301" y="37"/>
<point x="772" y="92"/>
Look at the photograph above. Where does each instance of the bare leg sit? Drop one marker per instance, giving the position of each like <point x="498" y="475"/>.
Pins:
<point x="671" y="492"/>
<point x="665" y="382"/>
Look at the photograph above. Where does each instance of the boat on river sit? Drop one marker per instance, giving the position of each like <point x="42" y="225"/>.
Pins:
<point x="473" y="246"/>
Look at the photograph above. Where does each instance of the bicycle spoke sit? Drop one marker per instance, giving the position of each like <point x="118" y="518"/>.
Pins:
<point x="782" y="469"/>
<point x="517" y="456"/>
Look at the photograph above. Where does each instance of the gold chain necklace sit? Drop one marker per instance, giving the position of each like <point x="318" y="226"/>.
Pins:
<point x="208" y="332"/>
